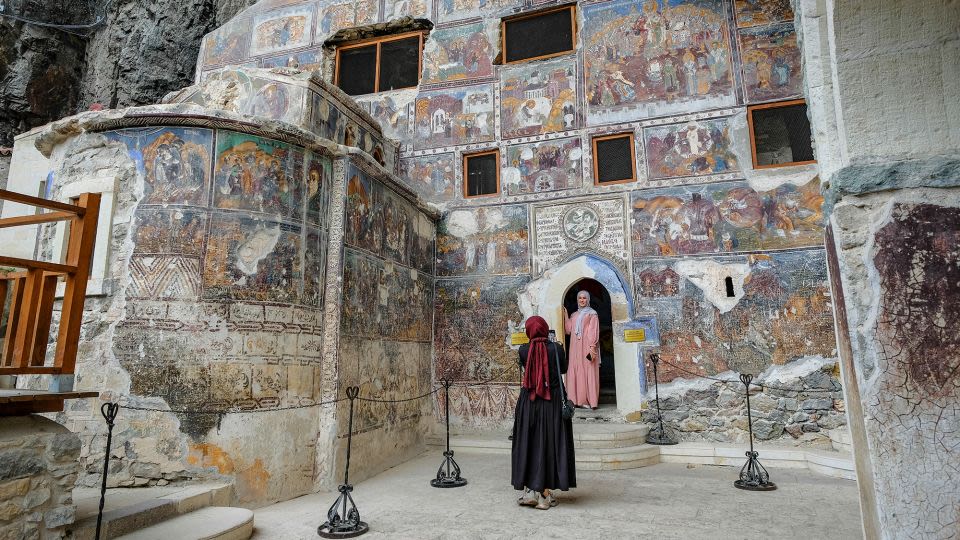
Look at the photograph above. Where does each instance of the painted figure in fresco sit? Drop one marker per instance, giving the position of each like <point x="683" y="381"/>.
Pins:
<point x="583" y="380"/>
<point x="270" y="101"/>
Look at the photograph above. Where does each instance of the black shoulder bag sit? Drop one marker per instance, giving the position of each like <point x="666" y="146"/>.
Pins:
<point x="568" y="410"/>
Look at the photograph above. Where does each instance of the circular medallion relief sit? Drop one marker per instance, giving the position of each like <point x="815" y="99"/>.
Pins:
<point x="581" y="223"/>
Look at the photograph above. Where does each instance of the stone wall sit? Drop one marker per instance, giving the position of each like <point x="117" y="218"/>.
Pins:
<point x="38" y="470"/>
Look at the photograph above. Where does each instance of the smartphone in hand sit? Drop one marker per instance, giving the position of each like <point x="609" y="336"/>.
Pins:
<point x="552" y="335"/>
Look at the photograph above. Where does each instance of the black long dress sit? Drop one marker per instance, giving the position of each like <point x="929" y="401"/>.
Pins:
<point x="543" y="456"/>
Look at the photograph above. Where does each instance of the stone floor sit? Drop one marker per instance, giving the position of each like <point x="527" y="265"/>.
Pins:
<point x="666" y="500"/>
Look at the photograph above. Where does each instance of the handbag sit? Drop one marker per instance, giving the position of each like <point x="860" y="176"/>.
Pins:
<point x="568" y="410"/>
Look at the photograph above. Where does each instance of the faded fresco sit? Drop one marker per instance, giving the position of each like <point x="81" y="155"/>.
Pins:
<point x="397" y="218"/>
<point x="432" y="177"/>
<point x="228" y="44"/>
<point x="395" y="9"/>
<point x="449" y="10"/>
<point x="179" y="231"/>
<point x="252" y="259"/>
<point x="423" y="244"/>
<point x="726" y="217"/>
<point x="667" y="55"/>
<point x="174" y="163"/>
<point x="784" y="313"/>
<point x="454" y="117"/>
<point x="757" y="12"/>
<point x="310" y="60"/>
<point x="282" y="29"/>
<point x="394" y="119"/>
<point x="543" y="166"/>
<point x="361" y="282"/>
<point x="538" y="97"/>
<point x="276" y="100"/>
<point x="458" y="52"/>
<point x="259" y="175"/>
<point x="488" y="240"/>
<point x="319" y="172"/>
<point x="694" y="148"/>
<point x="326" y="119"/>
<point x="364" y="217"/>
<point x="382" y="300"/>
<point x="772" y="66"/>
<point x="346" y="15"/>
<point x="473" y="318"/>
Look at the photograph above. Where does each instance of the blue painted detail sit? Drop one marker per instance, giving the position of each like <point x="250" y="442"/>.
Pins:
<point x="609" y="277"/>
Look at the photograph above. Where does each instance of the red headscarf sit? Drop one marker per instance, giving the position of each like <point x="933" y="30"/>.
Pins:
<point x="536" y="377"/>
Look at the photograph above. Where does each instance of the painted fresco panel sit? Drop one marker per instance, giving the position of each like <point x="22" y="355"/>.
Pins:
<point x="491" y="240"/>
<point x="178" y="231"/>
<point x="326" y="119"/>
<point x="276" y="100"/>
<point x="539" y="97"/>
<point x="314" y="267"/>
<point x="660" y="57"/>
<point x="394" y="117"/>
<point x="725" y="218"/>
<point x="449" y="10"/>
<point x="395" y="9"/>
<point x="433" y="177"/>
<point x="319" y="172"/>
<point x="227" y="44"/>
<point x="282" y="30"/>
<point x="174" y="163"/>
<point x="309" y="60"/>
<point x="454" y="117"/>
<point x="252" y="259"/>
<point x="473" y="318"/>
<point x="338" y="16"/>
<point x="405" y="305"/>
<point x="361" y="297"/>
<point x="458" y="52"/>
<point x="772" y="66"/>
<point x="398" y="226"/>
<point x="423" y="243"/>
<point x="784" y="313"/>
<point x="257" y="174"/>
<point x="757" y="12"/>
<point x="364" y="208"/>
<point x="691" y="149"/>
<point x="552" y="165"/>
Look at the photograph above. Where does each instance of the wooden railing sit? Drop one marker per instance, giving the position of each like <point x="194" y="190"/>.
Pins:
<point x="33" y="286"/>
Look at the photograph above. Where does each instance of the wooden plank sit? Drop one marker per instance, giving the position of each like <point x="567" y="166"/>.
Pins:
<point x="79" y="255"/>
<point x="13" y="320"/>
<point x="36" y="265"/>
<point x="23" y="408"/>
<point x="40" y="202"/>
<point x="40" y="395"/>
<point x="28" y="370"/>
<point x="35" y="219"/>
<point x="41" y="333"/>
<point x="23" y="342"/>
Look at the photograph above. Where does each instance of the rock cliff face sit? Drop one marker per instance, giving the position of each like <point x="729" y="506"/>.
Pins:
<point x="142" y="51"/>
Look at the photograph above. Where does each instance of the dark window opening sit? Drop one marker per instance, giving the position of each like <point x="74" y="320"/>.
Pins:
<point x="385" y="64"/>
<point x="539" y="35"/>
<point x="613" y="160"/>
<point x="481" y="174"/>
<point x="780" y="134"/>
<point x="729" y="283"/>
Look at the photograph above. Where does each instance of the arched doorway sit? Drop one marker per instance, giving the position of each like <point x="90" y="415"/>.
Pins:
<point x="600" y="301"/>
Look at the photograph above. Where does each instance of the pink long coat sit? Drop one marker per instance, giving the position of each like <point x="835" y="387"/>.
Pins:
<point x="583" y="376"/>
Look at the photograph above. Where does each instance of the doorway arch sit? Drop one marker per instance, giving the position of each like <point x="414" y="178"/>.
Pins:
<point x="600" y="302"/>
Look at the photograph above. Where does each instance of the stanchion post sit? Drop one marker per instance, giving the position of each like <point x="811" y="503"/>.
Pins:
<point x="753" y="476"/>
<point x="343" y="518"/>
<point x="109" y="412"/>
<point x="658" y="435"/>
<point x="448" y="475"/>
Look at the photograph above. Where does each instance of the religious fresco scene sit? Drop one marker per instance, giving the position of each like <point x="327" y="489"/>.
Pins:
<point x="546" y="166"/>
<point x="771" y="62"/>
<point x="259" y="175"/>
<point x="433" y="177"/>
<point x="690" y="149"/>
<point x="538" y="98"/>
<point x="456" y="117"/>
<point x="483" y="241"/>
<point x="458" y="52"/>
<point x="175" y="163"/>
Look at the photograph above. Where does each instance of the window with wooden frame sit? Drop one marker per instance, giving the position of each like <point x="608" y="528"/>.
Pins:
<point x="543" y="34"/>
<point x="613" y="159"/>
<point x="481" y="174"/>
<point x="379" y="64"/>
<point x="780" y="134"/>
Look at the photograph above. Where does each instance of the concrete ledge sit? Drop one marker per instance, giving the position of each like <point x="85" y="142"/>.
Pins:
<point x="210" y="523"/>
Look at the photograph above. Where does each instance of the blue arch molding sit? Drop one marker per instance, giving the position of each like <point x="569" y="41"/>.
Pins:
<point x="608" y="276"/>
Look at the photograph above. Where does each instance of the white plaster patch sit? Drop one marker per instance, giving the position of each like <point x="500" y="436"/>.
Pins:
<point x="681" y="386"/>
<point x="257" y="246"/>
<point x="710" y="276"/>
<point x="462" y="223"/>
<point x="794" y="370"/>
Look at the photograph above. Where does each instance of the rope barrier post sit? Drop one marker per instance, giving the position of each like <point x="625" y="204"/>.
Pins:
<point x="109" y="412"/>
<point x="448" y="475"/>
<point x="753" y="476"/>
<point x="343" y="518"/>
<point x="658" y="435"/>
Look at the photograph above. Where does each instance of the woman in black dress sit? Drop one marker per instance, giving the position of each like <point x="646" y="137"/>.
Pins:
<point x="542" y="457"/>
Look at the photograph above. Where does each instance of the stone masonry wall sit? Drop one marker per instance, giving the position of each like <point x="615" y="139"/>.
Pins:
<point x="38" y="470"/>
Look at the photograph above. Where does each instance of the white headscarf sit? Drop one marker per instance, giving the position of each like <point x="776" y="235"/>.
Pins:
<point x="583" y="312"/>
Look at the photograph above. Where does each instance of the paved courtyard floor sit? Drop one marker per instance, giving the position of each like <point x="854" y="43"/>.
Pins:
<point x="666" y="501"/>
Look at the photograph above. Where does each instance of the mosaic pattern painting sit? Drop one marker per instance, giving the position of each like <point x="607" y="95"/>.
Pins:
<point x="726" y="217"/>
<point x="490" y="240"/>
<point x="668" y="51"/>
<point x="544" y="166"/>
<point x="462" y="116"/>
<point x="252" y="259"/>
<point x="458" y="52"/>
<point x="757" y="12"/>
<point x="260" y="175"/>
<point x="433" y="177"/>
<point x="473" y="319"/>
<point x="772" y="66"/>
<point x="538" y="97"/>
<point x="174" y="163"/>
<point x="784" y="314"/>
<point x="282" y="30"/>
<point x="691" y="149"/>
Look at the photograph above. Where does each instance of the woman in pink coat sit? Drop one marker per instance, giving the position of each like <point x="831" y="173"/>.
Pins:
<point x="583" y="373"/>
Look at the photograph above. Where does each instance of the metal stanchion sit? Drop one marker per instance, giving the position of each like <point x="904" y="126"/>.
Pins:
<point x="109" y="412"/>
<point x="448" y="475"/>
<point x="753" y="476"/>
<point x="658" y="435"/>
<point x="343" y="518"/>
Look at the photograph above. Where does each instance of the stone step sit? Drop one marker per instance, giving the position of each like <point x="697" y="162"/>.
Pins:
<point x="210" y="523"/>
<point x="585" y="436"/>
<point x="131" y="509"/>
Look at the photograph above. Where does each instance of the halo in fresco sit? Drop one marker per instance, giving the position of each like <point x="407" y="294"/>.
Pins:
<point x="282" y="30"/>
<point x="539" y="97"/>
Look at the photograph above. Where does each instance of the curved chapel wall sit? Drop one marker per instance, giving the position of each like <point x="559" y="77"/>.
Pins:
<point x="678" y="75"/>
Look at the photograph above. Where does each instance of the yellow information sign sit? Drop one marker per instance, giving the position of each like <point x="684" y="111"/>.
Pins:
<point x="636" y="335"/>
<point x="519" y="338"/>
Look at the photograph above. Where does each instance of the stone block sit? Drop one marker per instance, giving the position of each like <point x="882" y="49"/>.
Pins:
<point x="810" y="428"/>
<point x="58" y="517"/>
<point x="14" y="488"/>
<point x="819" y="404"/>
<point x="64" y="447"/>
<point x="766" y="430"/>
<point x="20" y="463"/>
<point x="36" y="498"/>
<point x="9" y="510"/>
